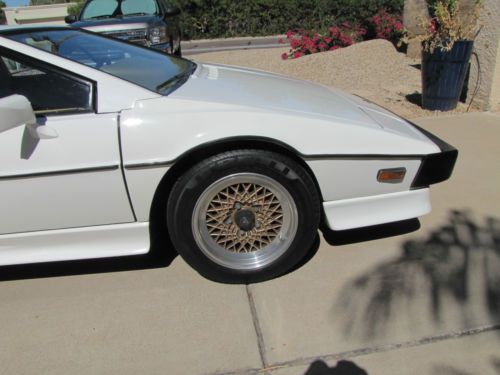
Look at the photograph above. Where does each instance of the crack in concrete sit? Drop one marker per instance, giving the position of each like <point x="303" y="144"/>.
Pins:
<point x="258" y="329"/>
<point x="388" y="347"/>
<point x="267" y="370"/>
<point x="239" y="372"/>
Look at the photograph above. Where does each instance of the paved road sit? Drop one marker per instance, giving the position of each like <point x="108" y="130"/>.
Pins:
<point x="427" y="302"/>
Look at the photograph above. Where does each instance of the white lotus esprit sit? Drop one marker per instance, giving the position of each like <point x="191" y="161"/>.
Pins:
<point x="102" y="140"/>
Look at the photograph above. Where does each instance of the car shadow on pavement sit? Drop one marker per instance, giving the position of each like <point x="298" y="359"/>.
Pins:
<point x="161" y="254"/>
<point x="342" y="368"/>
<point x="456" y="269"/>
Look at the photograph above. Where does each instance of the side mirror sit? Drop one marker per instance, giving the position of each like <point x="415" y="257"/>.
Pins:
<point x="15" y="110"/>
<point x="171" y="12"/>
<point x="70" y="19"/>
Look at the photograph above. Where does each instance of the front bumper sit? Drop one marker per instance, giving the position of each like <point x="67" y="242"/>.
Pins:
<point x="436" y="167"/>
<point x="164" y="47"/>
<point x="378" y="209"/>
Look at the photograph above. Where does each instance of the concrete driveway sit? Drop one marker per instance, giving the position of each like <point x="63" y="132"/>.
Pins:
<point x="426" y="302"/>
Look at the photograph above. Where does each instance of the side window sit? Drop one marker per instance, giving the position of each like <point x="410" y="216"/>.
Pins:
<point x="50" y="92"/>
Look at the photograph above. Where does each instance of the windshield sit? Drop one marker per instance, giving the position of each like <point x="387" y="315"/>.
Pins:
<point x="147" y="68"/>
<point x="96" y="9"/>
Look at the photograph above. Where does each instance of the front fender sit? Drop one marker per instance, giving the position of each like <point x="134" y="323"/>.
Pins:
<point x="160" y="130"/>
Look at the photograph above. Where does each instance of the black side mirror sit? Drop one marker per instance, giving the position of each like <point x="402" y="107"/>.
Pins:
<point x="171" y="12"/>
<point x="70" y="19"/>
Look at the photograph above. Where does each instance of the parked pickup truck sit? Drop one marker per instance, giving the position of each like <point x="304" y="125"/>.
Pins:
<point x="151" y="23"/>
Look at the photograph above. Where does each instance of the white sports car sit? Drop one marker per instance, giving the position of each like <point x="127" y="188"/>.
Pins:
<point x="101" y="141"/>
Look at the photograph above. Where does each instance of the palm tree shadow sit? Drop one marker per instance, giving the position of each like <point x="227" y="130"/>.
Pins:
<point x="448" y="370"/>
<point x="496" y="364"/>
<point x="445" y="265"/>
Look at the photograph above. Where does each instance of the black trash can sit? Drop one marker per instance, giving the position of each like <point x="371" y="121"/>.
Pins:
<point x="443" y="76"/>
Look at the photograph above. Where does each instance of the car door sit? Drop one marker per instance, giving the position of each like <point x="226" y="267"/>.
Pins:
<point x="65" y="172"/>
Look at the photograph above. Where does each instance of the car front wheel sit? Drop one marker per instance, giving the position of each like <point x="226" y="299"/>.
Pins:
<point x="244" y="216"/>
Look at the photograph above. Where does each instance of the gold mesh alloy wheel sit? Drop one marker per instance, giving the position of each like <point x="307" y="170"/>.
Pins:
<point x="245" y="221"/>
<point x="244" y="217"/>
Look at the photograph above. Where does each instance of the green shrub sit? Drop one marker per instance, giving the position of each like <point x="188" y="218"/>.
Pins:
<point x="229" y="18"/>
<point x="74" y="10"/>
<point x="2" y="13"/>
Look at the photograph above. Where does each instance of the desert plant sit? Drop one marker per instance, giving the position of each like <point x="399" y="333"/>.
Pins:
<point x="447" y="49"/>
<point x="450" y="23"/>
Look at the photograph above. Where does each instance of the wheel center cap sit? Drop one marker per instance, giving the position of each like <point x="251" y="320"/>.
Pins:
<point x="245" y="219"/>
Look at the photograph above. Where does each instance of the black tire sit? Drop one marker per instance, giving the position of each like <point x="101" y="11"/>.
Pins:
<point x="178" y="51"/>
<point x="284" y="199"/>
<point x="175" y="49"/>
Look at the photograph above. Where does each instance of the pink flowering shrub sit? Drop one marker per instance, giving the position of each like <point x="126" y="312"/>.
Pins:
<point x="303" y="42"/>
<point x="384" y="25"/>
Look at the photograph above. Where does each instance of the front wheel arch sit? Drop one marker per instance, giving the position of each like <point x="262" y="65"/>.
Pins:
<point x="160" y="238"/>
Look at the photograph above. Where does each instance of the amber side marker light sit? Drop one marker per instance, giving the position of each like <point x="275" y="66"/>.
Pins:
<point x="391" y="176"/>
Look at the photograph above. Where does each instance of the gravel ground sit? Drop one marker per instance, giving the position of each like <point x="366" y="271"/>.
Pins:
<point x="372" y="69"/>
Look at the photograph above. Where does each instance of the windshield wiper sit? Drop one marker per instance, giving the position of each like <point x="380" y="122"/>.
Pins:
<point x="170" y="82"/>
<point x="176" y="79"/>
<point x="136" y="14"/>
<point x="98" y="17"/>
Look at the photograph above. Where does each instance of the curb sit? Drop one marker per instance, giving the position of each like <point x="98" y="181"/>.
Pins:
<point x="191" y="47"/>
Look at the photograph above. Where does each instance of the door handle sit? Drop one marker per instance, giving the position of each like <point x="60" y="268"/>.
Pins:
<point x="42" y="131"/>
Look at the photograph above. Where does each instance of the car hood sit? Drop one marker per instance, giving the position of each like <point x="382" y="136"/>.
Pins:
<point x="276" y="93"/>
<point x="267" y="91"/>
<point x="121" y="23"/>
